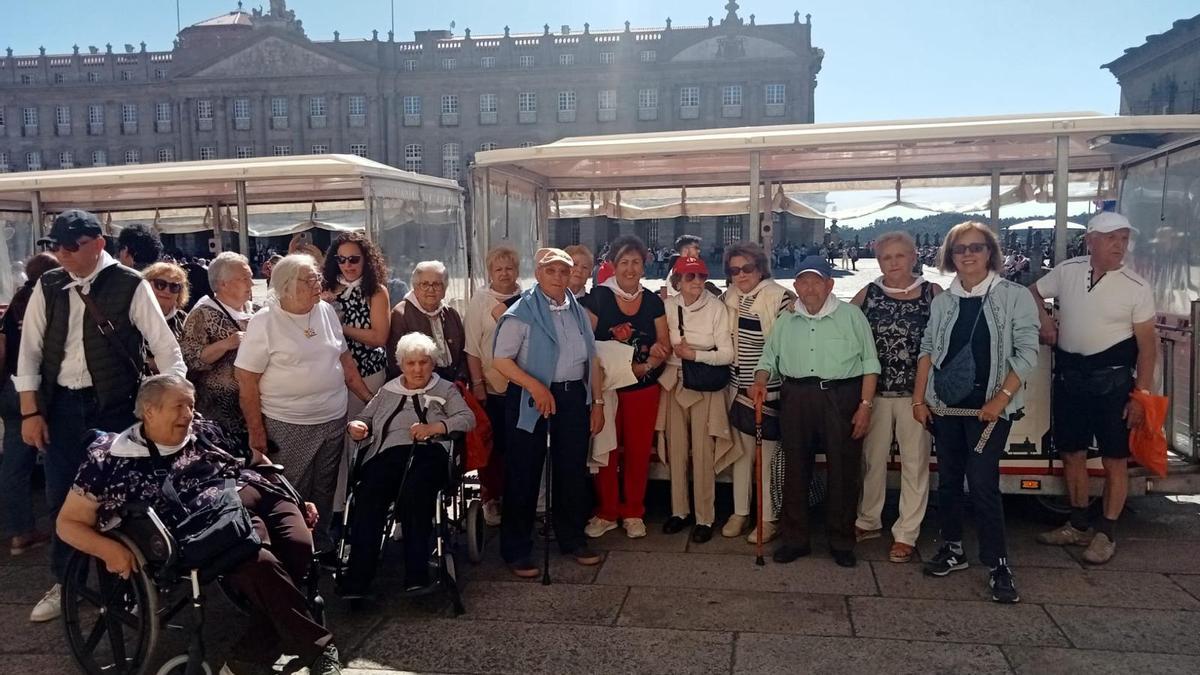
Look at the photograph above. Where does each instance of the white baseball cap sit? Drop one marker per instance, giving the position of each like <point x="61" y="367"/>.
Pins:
<point x="1109" y="221"/>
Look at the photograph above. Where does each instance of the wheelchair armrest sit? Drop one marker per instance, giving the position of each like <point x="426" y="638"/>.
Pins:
<point x="143" y="527"/>
<point x="267" y="469"/>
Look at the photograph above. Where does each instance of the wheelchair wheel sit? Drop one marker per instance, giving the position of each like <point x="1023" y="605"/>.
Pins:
<point x="476" y="530"/>
<point x="178" y="666"/>
<point x="112" y="623"/>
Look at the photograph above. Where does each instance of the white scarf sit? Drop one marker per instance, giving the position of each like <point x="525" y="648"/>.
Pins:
<point x="501" y="297"/>
<point x="698" y="305"/>
<point x="236" y="314"/>
<point x="978" y="291"/>
<point x="831" y="304"/>
<point x="611" y="284"/>
<point x="85" y="283"/>
<point x="172" y="314"/>
<point x="899" y="291"/>
<point x="435" y="314"/>
<point x="396" y="386"/>
<point x="348" y="286"/>
<point x="131" y="444"/>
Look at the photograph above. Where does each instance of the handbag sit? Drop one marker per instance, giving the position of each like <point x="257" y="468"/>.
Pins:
<point x="955" y="380"/>
<point x="702" y="376"/>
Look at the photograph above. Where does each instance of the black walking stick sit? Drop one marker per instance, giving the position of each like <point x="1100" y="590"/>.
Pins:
<point x="547" y="467"/>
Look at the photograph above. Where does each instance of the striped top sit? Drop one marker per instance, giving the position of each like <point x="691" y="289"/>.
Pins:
<point x="751" y="341"/>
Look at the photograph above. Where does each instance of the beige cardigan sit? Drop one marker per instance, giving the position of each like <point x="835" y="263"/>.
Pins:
<point x="725" y="451"/>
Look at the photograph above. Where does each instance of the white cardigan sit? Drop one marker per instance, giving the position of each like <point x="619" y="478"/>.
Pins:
<point x="706" y="325"/>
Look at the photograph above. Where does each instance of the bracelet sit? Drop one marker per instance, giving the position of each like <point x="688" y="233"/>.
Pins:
<point x="918" y="404"/>
<point x="477" y="383"/>
<point x="869" y="404"/>
<point x="598" y="402"/>
<point x="35" y="413"/>
<point x="1006" y="392"/>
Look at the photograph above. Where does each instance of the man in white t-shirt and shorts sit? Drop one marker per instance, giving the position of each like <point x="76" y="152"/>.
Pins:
<point x="1105" y="349"/>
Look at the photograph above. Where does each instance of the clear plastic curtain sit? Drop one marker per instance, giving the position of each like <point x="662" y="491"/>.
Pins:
<point x="413" y="223"/>
<point x="17" y="230"/>
<point x="512" y="219"/>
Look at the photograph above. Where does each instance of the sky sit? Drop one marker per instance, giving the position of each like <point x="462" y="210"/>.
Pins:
<point x="883" y="59"/>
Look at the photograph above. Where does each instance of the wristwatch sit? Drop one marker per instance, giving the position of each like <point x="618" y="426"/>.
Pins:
<point x="869" y="404"/>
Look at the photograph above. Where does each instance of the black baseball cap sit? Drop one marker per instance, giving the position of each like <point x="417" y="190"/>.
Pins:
<point x="70" y="225"/>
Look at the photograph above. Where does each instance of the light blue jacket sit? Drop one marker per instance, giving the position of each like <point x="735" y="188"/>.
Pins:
<point x="1012" y="321"/>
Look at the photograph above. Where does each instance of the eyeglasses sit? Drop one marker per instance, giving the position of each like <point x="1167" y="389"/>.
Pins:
<point x="55" y="246"/>
<point x="692" y="276"/>
<point x="314" y="280"/>
<point x="164" y="285"/>
<point x="960" y="249"/>
<point x="348" y="259"/>
<point x="748" y="268"/>
<point x="431" y="285"/>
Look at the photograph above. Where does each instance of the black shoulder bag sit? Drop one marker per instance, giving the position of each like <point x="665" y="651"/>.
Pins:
<point x="954" y="381"/>
<point x="702" y="376"/>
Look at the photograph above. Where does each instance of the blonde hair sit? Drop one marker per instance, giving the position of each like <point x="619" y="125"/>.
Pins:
<point x="946" y="258"/>
<point x="896" y="237"/>
<point x="173" y="272"/>
<point x="579" y="249"/>
<point x="503" y="252"/>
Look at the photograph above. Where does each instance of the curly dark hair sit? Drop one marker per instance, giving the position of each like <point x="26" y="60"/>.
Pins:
<point x="142" y="242"/>
<point x="374" y="270"/>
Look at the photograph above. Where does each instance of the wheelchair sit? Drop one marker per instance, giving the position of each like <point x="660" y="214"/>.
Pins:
<point x="458" y="514"/>
<point x="113" y="625"/>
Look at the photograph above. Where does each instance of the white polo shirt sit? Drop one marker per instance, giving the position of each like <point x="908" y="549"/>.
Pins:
<point x="1092" y="318"/>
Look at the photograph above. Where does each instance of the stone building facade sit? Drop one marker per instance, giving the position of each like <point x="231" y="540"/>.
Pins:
<point x="252" y="84"/>
<point x="1162" y="75"/>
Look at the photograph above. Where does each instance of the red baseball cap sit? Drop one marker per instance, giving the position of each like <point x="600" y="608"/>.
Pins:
<point x="605" y="272"/>
<point x="686" y="265"/>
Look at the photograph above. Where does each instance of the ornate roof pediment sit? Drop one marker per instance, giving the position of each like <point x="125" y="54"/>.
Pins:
<point x="277" y="56"/>
<point x="734" y="47"/>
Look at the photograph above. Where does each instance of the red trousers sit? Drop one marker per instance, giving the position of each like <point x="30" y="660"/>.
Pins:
<point x="637" y="411"/>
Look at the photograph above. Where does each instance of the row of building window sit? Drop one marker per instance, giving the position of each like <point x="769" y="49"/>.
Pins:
<point x="91" y="76"/>
<point x="689" y="97"/>
<point x="606" y="58"/>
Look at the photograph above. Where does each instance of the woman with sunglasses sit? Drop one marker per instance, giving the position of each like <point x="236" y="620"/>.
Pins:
<point x="170" y="285"/>
<point x="753" y="301"/>
<point x="354" y="274"/>
<point x="980" y="345"/>
<point x="696" y="422"/>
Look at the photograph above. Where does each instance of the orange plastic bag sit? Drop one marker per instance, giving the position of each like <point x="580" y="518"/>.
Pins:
<point x="479" y="439"/>
<point x="1147" y="441"/>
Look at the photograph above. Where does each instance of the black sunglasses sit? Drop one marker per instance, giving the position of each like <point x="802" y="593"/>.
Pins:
<point x="55" y="246"/>
<point x="348" y="259"/>
<point x="960" y="249"/>
<point x="692" y="276"/>
<point x="164" y="285"/>
<point x="748" y="268"/>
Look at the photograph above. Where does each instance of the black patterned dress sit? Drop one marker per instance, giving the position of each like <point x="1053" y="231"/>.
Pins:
<point x="355" y="310"/>
<point x="897" y="326"/>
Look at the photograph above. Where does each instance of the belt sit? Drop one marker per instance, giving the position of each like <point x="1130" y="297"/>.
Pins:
<point x="76" y="392"/>
<point x="821" y="384"/>
<point x="569" y="385"/>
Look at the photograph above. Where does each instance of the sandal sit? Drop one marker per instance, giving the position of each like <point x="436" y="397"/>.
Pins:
<point x="900" y="553"/>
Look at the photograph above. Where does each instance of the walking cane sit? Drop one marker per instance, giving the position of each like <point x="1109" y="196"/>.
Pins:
<point x="549" y="512"/>
<point x="758" y="463"/>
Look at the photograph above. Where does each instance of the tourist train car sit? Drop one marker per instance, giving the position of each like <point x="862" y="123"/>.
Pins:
<point x="1149" y="164"/>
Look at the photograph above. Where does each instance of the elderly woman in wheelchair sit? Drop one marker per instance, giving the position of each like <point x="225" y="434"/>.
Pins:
<point x="161" y="471"/>
<point x="404" y="461"/>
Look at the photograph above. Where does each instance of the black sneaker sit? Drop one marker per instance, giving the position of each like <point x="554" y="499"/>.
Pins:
<point x="1003" y="588"/>
<point x="945" y="562"/>
<point x="327" y="663"/>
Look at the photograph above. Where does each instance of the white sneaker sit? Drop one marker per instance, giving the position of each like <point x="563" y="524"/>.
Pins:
<point x="635" y="528"/>
<point x="597" y="526"/>
<point x="49" y="607"/>
<point x="491" y="513"/>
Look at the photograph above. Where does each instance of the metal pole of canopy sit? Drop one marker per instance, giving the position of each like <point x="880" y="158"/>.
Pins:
<point x="243" y="219"/>
<point x="755" y="190"/>
<point x="484" y="230"/>
<point x="1061" y="176"/>
<point x="35" y="207"/>
<point x="217" y="230"/>
<point x="770" y="236"/>
<point x="995" y="201"/>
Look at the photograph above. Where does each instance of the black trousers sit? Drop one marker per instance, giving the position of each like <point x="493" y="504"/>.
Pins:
<point x="378" y="486"/>
<point x="955" y="439"/>
<point x="525" y="456"/>
<point x="813" y="420"/>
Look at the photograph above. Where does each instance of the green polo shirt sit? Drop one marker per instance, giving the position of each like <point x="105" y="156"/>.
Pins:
<point x="834" y="347"/>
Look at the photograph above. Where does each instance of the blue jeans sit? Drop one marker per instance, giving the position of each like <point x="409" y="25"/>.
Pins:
<point x="16" y="467"/>
<point x="955" y="439"/>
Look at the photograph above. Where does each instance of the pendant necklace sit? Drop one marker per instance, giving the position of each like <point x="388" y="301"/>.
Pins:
<point x="308" y="331"/>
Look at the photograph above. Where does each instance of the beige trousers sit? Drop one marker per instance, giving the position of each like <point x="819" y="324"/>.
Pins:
<point x="892" y="418"/>
<point x="687" y="435"/>
<point x="744" y="489"/>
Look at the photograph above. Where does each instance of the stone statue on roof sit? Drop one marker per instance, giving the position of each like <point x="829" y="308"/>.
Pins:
<point x="279" y="8"/>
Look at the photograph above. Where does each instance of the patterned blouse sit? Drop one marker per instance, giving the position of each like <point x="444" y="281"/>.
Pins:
<point x="216" y="387"/>
<point x="898" y="326"/>
<point x="355" y="310"/>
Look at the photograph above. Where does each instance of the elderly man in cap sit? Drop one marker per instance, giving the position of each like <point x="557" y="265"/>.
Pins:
<point x="81" y="359"/>
<point x="544" y="347"/>
<point x="825" y="354"/>
<point x="1105" y="349"/>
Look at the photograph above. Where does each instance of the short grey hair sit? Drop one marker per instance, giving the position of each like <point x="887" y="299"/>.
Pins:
<point x="430" y="266"/>
<point x="152" y="390"/>
<point x="286" y="272"/>
<point x="895" y="237"/>
<point x="222" y="266"/>
<point x="419" y="343"/>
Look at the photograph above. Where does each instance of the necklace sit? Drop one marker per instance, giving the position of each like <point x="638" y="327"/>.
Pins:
<point x="308" y="331"/>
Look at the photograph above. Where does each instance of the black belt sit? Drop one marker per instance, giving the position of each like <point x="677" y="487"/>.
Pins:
<point x="821" y="383"/>
<point x="85" y="391"/>
<point x="564" y="387"/>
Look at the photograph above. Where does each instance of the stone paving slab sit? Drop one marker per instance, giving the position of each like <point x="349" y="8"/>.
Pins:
<point x="1146" y="630"/>
<point x="507" y="647"/>
<point x="1055" y="661"/>
<point x="654" y="540"/>
<point x="788" y="654"/>
<point x="805" y="614"/>
<point x="563" y="569"/>
<point x="872" y="549"/>
<point x="908" y="581"/>
<point x="1189" y="582"/>
<point x="980" y="622"/>
<point x="23" y="637"/>
<point x="703" y="571"/>
<point x="24" y="584"/>
<point x="1103" y="588"/>
<point x="1152" y="555"/>
<point x="1023" y="551"/>
<point x="1161" y="518"/>
<point x="556" y="603"/>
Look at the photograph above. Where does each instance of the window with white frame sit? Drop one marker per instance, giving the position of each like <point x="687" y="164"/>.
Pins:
<point x="776" y="94"/>
<point x="316" y="106"/>
<point x="566" y="101"/>
<point x="204" y="109"/>
<point x="93" y="77"/>
<point x="126" y="75"/>
<point x="279" y="106"/>
<point x="607" y="99"/>
<point x="244" y="152"/>
<point x="412" y="158"/>
<point x="133" y="156"/>
<point x="450" y="104"/>
<point x="33" y="161"/>
<point x="488" y="103"/>
<point x="487" y="62"/>
<point x="162" y="112"/>
<point x="410" y="65"/>
<point x="62" y="115"/>
<point x="66" y="160"/>
<point x="320" y="149"/>
<point x="281" y="150"/>
<point x="689" y="97"/>
<point x="160" y="74"/>
<point x="166" y="154"/>
<point x="527" y="101"/>
<point x="527" y="60"/>
<point x="29" y="116"/>
<point x="359" y="149"/>
<point x="450" y="161"/>
<point x="648" y="56"/>
<point x="241" y="108"/>
<point x="647" y="98"/>
<point x="608" y="58"/>
<point x="731" y="94"/>
<point x="26" y="78"/>
<point x="208" y="152"/>
<point x="99" y="158"/>
<point x="358" y="105"/>
<point x="4" y="166"/>
<point x="566" y="59"/>
<point x="449" y="64"/>
<point x="95" y="114"/>
<point x="488" y="145"/>
<point x="1" y="115"/>
<point x="60" y="78"/>
<point x="129" y="113"/>
<point x="412" y="105"/>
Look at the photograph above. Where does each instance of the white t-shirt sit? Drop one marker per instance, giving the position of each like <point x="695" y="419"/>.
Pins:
<point x="302" y="378"/>
<point x="1094" y="318"/>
